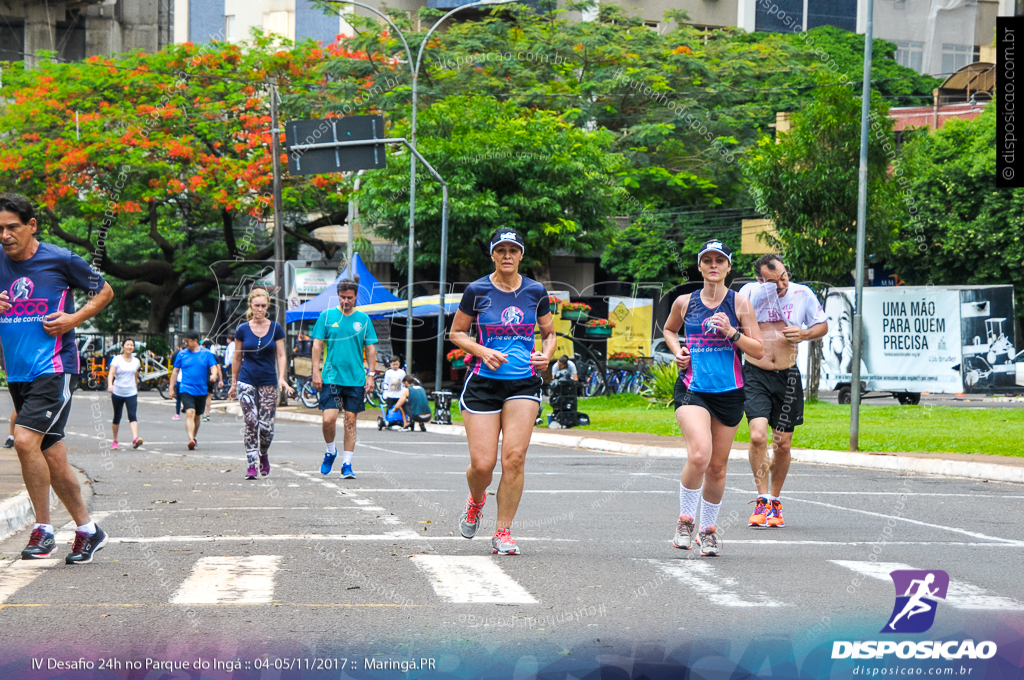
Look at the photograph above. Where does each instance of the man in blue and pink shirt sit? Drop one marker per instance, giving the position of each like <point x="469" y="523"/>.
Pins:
<point x="37" y="331"/>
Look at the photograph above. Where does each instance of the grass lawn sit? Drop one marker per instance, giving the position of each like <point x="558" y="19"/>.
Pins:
<point x="926" y="429"/>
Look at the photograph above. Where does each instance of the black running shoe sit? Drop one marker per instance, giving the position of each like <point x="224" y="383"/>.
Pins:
<point x="41" y="544"/>
<point x="86" y="546"/>
<point x="9" y="444"/>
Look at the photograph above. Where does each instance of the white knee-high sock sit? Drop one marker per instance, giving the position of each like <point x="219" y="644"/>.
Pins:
<point x="688" y="499"/>
<point x="708" y="514"/>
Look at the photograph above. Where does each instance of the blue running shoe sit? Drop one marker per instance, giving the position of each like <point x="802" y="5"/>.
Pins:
<point x="325" y="467"/>
<point x="346" y="471"/>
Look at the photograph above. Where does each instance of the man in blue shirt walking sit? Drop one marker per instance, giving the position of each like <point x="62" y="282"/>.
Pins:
<point x="37" y="330"/>
<point x="198" y="366"/>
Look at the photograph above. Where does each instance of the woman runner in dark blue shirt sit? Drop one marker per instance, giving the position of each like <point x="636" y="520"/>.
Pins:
<point x="257" y="370"/>
<point x="502" y="390"/>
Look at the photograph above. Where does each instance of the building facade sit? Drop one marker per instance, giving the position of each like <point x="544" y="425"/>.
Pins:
<point x="77" y="29"/>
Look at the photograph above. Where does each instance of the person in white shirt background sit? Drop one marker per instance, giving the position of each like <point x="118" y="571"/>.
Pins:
<point x="229" y="357"/>
<point x="393" y="384"/>
<point x="123" y="385"/>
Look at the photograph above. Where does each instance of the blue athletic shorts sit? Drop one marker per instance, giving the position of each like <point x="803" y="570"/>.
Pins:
<point x="351" y="399"/>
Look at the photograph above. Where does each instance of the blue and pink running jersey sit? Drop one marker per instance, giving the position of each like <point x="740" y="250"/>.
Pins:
<point x="505" y="322"/>
<point x="39" y="286"/>
<point x="715" y="362"/>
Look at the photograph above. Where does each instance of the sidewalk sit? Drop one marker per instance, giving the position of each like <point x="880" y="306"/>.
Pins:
<point x="990" y="468"/>
<point x="15" y="507"/>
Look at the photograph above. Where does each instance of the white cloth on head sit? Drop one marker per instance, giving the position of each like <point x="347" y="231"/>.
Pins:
<point x="798" y="307"/>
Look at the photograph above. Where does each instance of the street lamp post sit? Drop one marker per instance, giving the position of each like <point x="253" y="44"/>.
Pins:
<point x="862" y="218"/>
<point x="414" y="68"/>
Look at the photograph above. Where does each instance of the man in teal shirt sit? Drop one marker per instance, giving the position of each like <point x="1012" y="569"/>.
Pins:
<point x="343" y="382"/>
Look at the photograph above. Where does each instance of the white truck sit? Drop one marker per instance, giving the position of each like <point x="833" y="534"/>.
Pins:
<point x="936" y="339"/>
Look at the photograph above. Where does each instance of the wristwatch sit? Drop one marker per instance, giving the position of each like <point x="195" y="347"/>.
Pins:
<point x="736" y="336"/>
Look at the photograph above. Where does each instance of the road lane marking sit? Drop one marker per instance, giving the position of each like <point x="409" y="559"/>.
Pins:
<point x="466" y="580"/>
<point x="393" y="536"/>
<point x="961" y="594"/>
<point x="236" y="580"/>
<point x="700" y="575"/>
<point x="219" y="604"/>
<point x="972" y="534"/>
<point x="20" y="573"/>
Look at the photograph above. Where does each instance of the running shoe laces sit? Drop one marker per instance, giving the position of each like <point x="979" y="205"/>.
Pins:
<point x="38" y="534"/>
<point x="505" y="535"/>
<point x="762" y="506"/>
<point x="81" y="538"/>
<point x="473" y="510"/>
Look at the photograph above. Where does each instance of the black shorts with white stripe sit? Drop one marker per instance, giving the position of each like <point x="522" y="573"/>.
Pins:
<point x="44" y="404"/>
<point x="488" y="395"/>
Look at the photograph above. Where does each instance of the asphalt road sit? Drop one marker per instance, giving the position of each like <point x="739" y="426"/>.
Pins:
<point x="203" y="563"/>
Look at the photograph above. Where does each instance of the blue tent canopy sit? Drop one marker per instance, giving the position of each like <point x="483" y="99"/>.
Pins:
<point x="370" y="292"/>
<point x="429" y="306"/>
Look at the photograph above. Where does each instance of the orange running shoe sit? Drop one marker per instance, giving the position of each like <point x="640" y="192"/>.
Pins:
<point x="775" y="520"/>
<point x="760" y="512"/>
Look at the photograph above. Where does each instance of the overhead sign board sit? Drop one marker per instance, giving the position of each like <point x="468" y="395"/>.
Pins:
<point x="323" y="131"/>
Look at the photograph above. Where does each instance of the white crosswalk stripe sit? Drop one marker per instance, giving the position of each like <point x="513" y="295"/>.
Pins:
<point x="463" y="579"/>
<point x="961" y="595"/>
<point x="702" y="577"/>
<point x="18" y="574"/>
<point x="230" y="580"/>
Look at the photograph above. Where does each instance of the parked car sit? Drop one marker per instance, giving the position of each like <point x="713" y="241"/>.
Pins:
<point x="661" y="353"/>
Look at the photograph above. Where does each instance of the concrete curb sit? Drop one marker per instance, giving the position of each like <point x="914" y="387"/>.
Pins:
<point x="17" y="512"/>
<point x="995" y="472"/>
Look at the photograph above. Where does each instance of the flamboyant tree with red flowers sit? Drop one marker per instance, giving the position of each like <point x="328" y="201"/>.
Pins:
<point x="157" y="167"/>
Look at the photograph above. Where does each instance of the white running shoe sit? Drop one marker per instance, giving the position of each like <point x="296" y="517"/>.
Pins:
<point x="684" y="533"/>
<point x="710" y="543"/>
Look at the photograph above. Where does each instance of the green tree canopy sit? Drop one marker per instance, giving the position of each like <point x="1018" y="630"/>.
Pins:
<point x="808" y="181"/>
<point x="157" y="167"/>
<point x="960" y="228"/>
<point x="505" y="167"/>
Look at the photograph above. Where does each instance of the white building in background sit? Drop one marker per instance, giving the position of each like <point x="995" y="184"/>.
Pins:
<point x="232" y="20"/>
<point x="932" y="36"/>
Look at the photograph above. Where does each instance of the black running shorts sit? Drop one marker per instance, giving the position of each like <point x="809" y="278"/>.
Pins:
<point x="193" y="401"/>
<point x="488" y="395"/>
<point x="775" y="395"/>
<point x="725" y="407"/>
<point x="44" y="404"/>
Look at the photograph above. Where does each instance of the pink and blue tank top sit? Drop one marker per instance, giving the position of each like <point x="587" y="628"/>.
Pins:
<point x="715" y="362"/>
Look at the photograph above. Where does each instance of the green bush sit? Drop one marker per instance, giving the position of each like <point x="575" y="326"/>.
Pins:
<point x="664" y="383"/>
